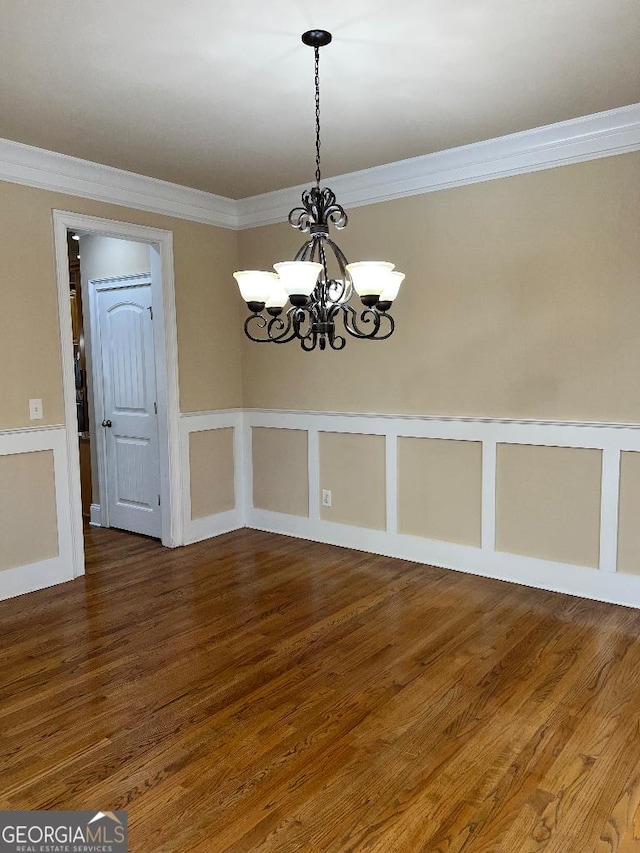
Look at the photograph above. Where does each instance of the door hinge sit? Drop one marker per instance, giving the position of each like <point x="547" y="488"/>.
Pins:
<point x="151" y="312"/>
<point x="155" y="408"/>
<point x="158" y="500"/>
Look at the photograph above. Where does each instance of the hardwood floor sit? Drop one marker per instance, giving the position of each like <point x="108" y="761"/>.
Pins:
<point x="260" y="693"/>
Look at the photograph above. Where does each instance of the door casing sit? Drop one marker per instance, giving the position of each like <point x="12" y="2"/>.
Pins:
<point x="166" y="353"/>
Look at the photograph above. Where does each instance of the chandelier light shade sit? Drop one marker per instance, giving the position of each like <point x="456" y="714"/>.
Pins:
<point x="298" y="279"/>
<point x="328" y="297"/>
<point x="256" y="287"/>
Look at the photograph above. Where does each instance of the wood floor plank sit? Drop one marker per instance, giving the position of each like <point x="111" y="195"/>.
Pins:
<point x="260" y="693"/>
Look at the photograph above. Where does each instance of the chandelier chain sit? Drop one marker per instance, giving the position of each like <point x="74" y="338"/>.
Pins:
<point x="317" y="85"/>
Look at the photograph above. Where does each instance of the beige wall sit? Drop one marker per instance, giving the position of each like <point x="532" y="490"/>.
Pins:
<point x="212" y="472"/>
<point x="28" y="525"/>
<point x="352" y="467"/>
<point x="440" y="489"/>
<point x="207" y="316"/>
<point x="548" y="503"/>
<point x="280" y="470"/>
<point x="208" y="319"/>
<point x="629" y="514"/>
<point x="521" y="300"/>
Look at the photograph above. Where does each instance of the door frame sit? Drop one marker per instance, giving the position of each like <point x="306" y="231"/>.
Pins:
<point x="166" y="353"/>
<point x="94" y="287"/>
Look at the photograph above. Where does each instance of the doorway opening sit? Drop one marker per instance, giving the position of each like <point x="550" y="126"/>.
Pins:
<point x="119" y="353"/>
<point x="115" y="376"/>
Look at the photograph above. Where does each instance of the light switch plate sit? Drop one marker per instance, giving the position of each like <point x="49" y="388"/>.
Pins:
<point x="35" y="410"/>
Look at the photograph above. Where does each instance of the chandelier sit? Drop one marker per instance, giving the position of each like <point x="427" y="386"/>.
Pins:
<point x="319" y="283"/>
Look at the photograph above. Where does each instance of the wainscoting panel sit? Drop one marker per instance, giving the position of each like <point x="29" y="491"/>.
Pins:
<point x="196" y="529"/>
<point x="614" y="443"/>
<point x="280" y="470"/>
<point x="629" y="514"/>
<point x="29" y="576"/>
<point x="440" y="489"/>
<point x="602" y="582"/>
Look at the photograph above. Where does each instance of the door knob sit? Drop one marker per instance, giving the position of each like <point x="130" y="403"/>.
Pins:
<point x="107" y="423"/>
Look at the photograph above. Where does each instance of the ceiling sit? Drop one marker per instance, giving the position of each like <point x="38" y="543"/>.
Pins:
<point x="219" y="95"/>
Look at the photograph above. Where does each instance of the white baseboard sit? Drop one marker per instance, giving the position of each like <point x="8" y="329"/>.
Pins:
<point x="34" y="576"/>
<point x="541" y="574"/>
<point x="95" y="515"/>
<point x="198" y="529"/>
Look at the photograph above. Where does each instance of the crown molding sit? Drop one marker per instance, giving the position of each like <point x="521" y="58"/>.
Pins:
<point x="47" y="170"/>
<point x="590" y="137"/>
<point x="587" y="138"/>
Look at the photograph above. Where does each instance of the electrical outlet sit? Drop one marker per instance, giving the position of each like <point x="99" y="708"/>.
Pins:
<point x="326" y="497"/>
<point x="35" y="410"/>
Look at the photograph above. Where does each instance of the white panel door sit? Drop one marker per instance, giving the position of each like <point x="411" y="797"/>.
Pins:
<point x="130" y="425"/>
